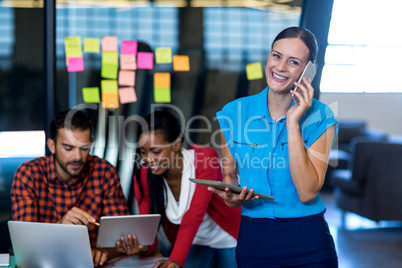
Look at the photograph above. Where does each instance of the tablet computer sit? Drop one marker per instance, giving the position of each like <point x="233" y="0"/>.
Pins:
<point x="112" y="228"/>
<point x="221" y="185"/>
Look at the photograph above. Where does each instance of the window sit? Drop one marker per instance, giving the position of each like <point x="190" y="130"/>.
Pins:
<point x="364" y="47"/>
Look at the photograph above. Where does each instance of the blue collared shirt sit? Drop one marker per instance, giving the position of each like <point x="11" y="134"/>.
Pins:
<point x="259" y="145"/>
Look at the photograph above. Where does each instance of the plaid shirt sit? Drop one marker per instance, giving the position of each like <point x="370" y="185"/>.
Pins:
<point x="38" y="195"/>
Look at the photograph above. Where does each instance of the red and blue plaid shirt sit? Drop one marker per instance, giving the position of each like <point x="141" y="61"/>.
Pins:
<point x="39" y="195"/>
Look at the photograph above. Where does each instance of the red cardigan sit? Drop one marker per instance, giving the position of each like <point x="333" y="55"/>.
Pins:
<point x="207" y="167"/>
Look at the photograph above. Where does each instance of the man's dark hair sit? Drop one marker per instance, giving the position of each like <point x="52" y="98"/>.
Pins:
<point x="73" y="119"/>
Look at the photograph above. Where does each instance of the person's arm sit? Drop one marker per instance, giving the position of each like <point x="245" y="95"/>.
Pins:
<point x="229" y="168"/>
<point x="24" y="204"/>
<point x="307" y="167"/>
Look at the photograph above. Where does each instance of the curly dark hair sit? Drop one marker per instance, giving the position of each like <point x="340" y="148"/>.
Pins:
<point x="70" y="119"/>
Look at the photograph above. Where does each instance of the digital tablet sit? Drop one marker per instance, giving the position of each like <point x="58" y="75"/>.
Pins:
<point x="112" y="228"/>
<point x="221" y="185"/>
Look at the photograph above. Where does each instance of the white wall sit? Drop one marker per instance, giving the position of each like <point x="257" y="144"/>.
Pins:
<point x="381" y="111"/>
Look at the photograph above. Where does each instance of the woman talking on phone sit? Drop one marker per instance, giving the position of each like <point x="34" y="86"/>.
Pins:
<point x="278" y="145"/>
<point x="201" y="228"/>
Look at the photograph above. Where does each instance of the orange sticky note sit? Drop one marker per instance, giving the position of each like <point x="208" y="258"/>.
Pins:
<point x="110" y="100"/>
<point x="128" y="62"/>
<point x="127" y="95"/>
<point x="109" y="43"/>
<point x="181" y="63"/>
<point x="162" y="80"/>
<point x="126" y="78"/>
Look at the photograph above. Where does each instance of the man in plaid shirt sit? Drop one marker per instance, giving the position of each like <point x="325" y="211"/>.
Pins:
<point x="70" y="186"/>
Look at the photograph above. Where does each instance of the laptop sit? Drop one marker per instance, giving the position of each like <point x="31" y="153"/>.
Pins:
<point x="112" y="228"/>
<point x="49" y="245"/>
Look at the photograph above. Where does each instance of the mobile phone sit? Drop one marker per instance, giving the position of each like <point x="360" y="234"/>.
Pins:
<point x="308" y="72"/>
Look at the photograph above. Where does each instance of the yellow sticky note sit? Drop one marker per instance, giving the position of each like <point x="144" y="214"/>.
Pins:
<point x="109" y="71"/>
<point x="109" y="43"/>
<point x="91" y="45"/>
<point x="162" y="80"/>
<point x="162" y="94"/>
<point x="254" y="71"/>
<point x="181" y="63"/>
<point x="73" y="46"/>
<point x="91" y="94"/>
<point x="126" y="78"/>
<point x="163" y="55"/>
<point x="128" y="62"/>
<point x="110" y="100"/>
<point x="109" y="86"/>
<point x="110" y="57"/>
<point x="127" y="95"/>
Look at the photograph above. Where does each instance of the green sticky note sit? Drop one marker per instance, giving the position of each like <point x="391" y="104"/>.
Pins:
<point x="109" y="86"/>
<point x="162" y="94"/>
<point x="109" y="71"/>
<point x="163" y="55"/>
<point x="254" y="71"/>
<point x="110" y="57"/>
<point x="73" y="46"/>
<point x="91" y="94"/>
<point x="91" y="45"/>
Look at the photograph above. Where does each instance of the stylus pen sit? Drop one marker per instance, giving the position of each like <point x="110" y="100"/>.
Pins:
<point x="94" y="222"/>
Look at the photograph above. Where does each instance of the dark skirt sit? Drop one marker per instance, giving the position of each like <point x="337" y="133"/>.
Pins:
<point x="290" y="242"/>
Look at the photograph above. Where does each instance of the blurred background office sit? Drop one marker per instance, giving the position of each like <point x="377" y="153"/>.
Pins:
<point x="360" y="51"/>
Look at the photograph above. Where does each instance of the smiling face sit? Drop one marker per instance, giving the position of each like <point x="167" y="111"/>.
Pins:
<point x="286" y="61"/>
<point x="157" y="152"/>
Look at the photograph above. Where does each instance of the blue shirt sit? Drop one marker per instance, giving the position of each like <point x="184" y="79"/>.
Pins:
<point x="259" y="145"/>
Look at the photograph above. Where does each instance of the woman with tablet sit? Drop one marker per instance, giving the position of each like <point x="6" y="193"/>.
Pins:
<point x="279" y="146"/>
<point x="201" y="228"/>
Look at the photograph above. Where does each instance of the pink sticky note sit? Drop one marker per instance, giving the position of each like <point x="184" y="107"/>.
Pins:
<point x="145" y="60"/>
<point x="128" y="47"/>
<point x="127" y="94"/>
<point x="109" y="43"/>
<point x="75" y="64"/>
<point x="128" y="62"/>
<point x="126" y="78"/>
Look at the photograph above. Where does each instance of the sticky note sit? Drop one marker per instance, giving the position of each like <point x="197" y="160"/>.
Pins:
<point x="109" y="43"/>
<point x="110" y="57"/>
<point x="109" y="86"/>
<point x="75" y="64"/>
<point x="128" y="47"/>
<point x="163" y="55"/>
<point x="254" y="71"/>
<point x="126" y="78"/>
<point x="181" y="63"/>
<point x="145" y="60"/>
<point x="91" y="45"/>
<point x="162" y="94"/>
<point x="109" y="71"/>
<point x="91" y="94"/>
<point x="127" y="94"/>
<point x="73" y="46"/>
<point x="110" y="100"/>
<point x="162" y="80"/>
<point x="128" y="62"/>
